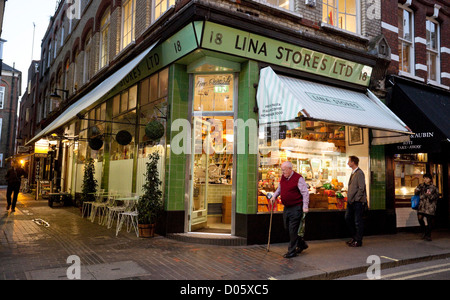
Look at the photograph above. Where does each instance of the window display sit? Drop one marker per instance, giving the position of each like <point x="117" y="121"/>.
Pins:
<point x="317" y="151"/>
<point x="408" y="172"/>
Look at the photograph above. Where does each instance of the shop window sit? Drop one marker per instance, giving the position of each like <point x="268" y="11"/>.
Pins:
<point x="124" y="124"/>
<point x="153" y="107"/>
<point x="161" y="6"/>
<point x="317" y="151"/>
<point x="214" y="92"/>
<point x="405" y="40"/>
<point x="342" y="14"/>
<point x="433" y="60"/>
<point x="408" y="172"/>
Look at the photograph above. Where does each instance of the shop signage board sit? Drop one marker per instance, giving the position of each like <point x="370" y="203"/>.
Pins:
<point x="172" y="49"/>
<point x="245" y="44"/>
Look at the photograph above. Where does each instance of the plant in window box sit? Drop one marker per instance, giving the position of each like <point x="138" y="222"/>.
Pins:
<point x="150" y="205"/>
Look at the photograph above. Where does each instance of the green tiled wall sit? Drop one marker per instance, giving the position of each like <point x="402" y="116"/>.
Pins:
<point x="378" y="180"/>
<point x="246" y="184"/>
<point x="176" y="164"/>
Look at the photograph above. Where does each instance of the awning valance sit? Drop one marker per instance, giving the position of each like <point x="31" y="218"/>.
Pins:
<point x="93" y="96"/>
<point x="282" y="98"/>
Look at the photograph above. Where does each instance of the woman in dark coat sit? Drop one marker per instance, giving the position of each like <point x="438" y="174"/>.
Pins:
<point x="429" y="195"/>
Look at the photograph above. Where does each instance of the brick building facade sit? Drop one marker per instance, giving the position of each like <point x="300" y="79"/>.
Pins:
<point x="165" y="52"/>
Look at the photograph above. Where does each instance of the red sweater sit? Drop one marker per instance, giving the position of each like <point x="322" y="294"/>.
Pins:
<point x="290" y="194"/>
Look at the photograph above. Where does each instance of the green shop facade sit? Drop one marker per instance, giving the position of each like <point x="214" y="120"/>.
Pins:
<point x="227" y="130"/>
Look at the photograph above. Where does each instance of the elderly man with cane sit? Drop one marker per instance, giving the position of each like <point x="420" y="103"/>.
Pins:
<point x="295" y="198"/>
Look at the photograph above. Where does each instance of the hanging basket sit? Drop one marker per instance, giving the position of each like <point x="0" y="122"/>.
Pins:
<point x="123" y="137"/>
<point x="96" y="143"/>
<point x="154" y="130"/>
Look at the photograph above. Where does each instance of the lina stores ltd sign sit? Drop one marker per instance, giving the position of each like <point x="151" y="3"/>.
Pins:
<point x="238" y="42"/>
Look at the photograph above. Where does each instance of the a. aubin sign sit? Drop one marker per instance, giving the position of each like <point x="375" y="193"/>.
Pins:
<point x="417" y="141"/>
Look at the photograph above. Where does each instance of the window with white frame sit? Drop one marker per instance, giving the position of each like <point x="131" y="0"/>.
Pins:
<point x="56" y="44"/>
<point x="433" y="55"/>
<point x="104" y="39"/>
<point x="405" y="40"/>
<point x="49" y="54"/>
<point x="286" y="4"/>
<point x="2" y="96"/>
<point x="161" y="6"/>
<point x="343" y="14"/>
<point x="128" y="16"/>
<point x="87" y="59"/>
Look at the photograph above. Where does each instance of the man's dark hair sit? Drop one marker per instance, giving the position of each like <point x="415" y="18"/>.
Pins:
<point x="354" y="159"/>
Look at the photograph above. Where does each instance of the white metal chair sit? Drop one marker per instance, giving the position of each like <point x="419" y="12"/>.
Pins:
<point x="130" y="216"/>
<point x="99" y="208"/>
<point x="114" y="210"/>
<point x="88" y="204"/>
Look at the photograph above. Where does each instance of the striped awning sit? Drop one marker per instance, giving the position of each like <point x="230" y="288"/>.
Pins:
<point x="283" y="99"/>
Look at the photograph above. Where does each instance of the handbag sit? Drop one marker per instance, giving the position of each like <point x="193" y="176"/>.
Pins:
<point x="415" y="202"/>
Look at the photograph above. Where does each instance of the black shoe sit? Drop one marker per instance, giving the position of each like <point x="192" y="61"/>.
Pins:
<point x="355" y="244"/>
<point x="8" y="206"/>
<point x="350" y="241"/>
<point x="290" y="255"/>
<point x="302" y="247"/>
<point x="13" y="210"/>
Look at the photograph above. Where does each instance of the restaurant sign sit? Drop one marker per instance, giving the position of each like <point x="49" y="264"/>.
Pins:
<point x="238" y="42"/>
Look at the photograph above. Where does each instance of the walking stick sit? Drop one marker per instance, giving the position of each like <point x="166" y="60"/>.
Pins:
<point x="269" y="196"/>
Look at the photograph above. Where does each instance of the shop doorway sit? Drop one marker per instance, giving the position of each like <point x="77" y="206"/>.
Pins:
<point x="211" y="173"/>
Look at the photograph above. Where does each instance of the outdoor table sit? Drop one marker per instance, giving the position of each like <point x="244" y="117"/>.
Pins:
<point x="65" y="198"/>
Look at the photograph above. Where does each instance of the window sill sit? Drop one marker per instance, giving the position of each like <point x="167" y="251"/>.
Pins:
<point x="437" y="84"/>
<point x="343" y="32"/>
<point x="411" y="76"/>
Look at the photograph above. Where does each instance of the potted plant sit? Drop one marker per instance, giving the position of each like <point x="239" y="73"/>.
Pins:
<point x="89" y="186"/>
<point x="150" y="205"/>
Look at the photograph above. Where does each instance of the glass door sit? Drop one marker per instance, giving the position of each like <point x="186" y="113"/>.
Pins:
<point x="199" y="168"/>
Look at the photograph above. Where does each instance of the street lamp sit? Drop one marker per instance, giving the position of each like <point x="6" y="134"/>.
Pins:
<point x="57" y="97"/>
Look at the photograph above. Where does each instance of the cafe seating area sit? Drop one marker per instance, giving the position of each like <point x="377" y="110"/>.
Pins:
<point x="113" y="207"/>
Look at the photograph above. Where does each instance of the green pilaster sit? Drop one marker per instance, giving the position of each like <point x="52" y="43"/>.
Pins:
<point x="378" y="178"/>
<point x="247" y="168"/>
<point x="176" y="164"/>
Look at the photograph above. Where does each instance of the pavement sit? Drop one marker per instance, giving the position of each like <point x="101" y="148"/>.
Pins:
<point x="74" y="247"/>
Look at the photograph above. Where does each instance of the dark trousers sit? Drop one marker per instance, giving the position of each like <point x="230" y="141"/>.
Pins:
<point x="354" y="220"/>
<point x="291" y="219"/>
<point x="12" y="188"/>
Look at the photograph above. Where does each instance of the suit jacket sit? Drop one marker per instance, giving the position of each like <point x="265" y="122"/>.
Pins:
<point x="357" y="187"/>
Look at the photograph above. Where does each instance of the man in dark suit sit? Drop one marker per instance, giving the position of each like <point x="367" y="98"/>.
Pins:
<point x="13" y="177"/>
<point x="356" y="202"/>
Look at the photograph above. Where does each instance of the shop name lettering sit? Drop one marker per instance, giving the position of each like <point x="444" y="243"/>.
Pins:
<point x="410" y="144"/>
<point x="287" y="55"/>
<point x="151" y="62"/>
<point x="214" y="82"/>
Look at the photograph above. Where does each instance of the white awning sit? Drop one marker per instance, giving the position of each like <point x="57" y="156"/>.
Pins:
<point x="282" y="98"/>
<point x="90" y="98"/>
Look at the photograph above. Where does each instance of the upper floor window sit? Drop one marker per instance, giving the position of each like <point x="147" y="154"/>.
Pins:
<point x="104" y="39"/>
<point x="128" y="15"/>
<point x="161" y="6"/>
<point x="2" y="96"/>
<point x="405" y="40"/>
<point x="49" y="54"/>
<point x="280" y="3"/>
<point x="433" y="60"/>
<point x="343" y="14"/>
<point x="87" y="59"/>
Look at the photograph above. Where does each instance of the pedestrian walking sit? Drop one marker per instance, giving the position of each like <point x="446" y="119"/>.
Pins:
<point x="429" y="195"/>
<point x="295" y="198"/>
<point x="13" y="177"/>
<point x="356" y="203"/>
